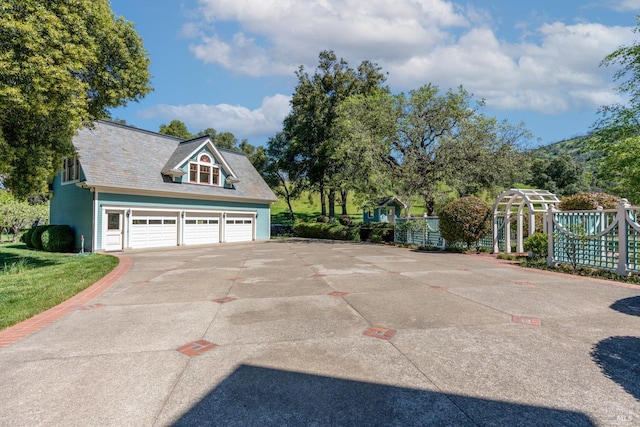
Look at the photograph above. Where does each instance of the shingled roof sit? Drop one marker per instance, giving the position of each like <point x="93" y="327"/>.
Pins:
<point x="123" y="157"/>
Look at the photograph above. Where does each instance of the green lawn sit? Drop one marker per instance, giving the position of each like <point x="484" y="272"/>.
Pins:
<point x="33" y="281"/>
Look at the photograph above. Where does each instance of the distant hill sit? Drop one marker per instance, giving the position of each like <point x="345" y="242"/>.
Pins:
<point x="577" y="148"/>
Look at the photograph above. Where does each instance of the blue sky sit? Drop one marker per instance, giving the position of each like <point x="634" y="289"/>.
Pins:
<point x="230" y="64"/>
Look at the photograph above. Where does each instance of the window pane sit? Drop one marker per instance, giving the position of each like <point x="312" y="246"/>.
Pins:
<point x="169" y="221"/>
<point x="205" y="174"/>
<point x="205" y="159"/>
<point x="139" y="221"/>
<point x="216" y="176"/>
<point x="190" y="221"/>
<point x="155" y="221"/>
<point x="193" y="172"/>
<point x="113" y="221"/>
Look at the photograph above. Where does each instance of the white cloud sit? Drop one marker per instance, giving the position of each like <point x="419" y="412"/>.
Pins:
<point x="241" y="121"/>
<point x="551" y="69"/>
<point x="625" y="5"/>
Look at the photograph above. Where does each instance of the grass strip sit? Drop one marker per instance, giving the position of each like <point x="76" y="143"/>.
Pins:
<point x="34" y="281"/>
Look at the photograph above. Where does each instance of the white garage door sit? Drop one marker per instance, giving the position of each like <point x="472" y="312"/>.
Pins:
<point x="238" y="229"/>
<point x="152" y="230"/>
<point x="201" y="229"/>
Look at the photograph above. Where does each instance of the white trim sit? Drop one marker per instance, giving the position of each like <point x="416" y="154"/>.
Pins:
<point x="215" y="152"/>
<point x="63" y="173"/>
<point x="94" y="240"/>
<point x="176" y="195"/>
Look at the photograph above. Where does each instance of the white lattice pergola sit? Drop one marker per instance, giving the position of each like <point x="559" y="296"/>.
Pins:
<point x="512" y="203"/>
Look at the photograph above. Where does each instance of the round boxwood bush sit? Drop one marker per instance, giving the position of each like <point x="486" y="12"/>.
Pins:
<point x="465" y="220"/>
<point x="588" y="202"/>
<point x="36" y="236"/>
<point x="323" y="219"/>
<point x="26" y="237"/>
<point x="537" y="244"/>
<point x="345" y="220"/>
<point x="58" y="238"/>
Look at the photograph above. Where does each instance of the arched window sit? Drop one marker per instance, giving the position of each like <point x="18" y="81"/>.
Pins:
<point x="204" y="171"/>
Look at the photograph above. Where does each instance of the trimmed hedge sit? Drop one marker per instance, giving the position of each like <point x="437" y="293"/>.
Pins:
<point x="36" y="236"/>
<point x="26" y="237"/>
<point x="327" y="231"/>
<point x="58" y="238"/>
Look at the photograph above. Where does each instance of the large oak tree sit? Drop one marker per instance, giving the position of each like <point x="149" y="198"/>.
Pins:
<point x="63" y="64"/>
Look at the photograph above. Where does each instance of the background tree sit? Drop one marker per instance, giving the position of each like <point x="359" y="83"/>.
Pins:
<point x="279" y="172"/>
<point x="361" y="147"/>
<point x="16" y="215"/>
<point x="560" y="175"/>
<point x="428" y="126"/>
<point x="61" y="66"/>
<point x="176" y="128"/>
<point x="617" y="133"/>
<point x="308" y="129"/>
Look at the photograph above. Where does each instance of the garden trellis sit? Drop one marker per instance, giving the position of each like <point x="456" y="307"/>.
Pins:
<point x="513" y="203"/>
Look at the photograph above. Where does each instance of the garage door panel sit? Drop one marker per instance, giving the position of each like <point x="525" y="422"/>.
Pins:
<point x="200" y="229"/>
<point x="151" y="230"/>
<point x="238" y="229"/>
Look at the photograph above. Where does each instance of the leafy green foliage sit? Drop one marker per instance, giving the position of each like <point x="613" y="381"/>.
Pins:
<point x="62" y="65"/>
<point x="309" y="132"/>
<point x="176" y="128"/>
<point x="537" y="244"/>
<point x="58" y="238"/>
<point x="333" y="231"/>
<point x="617" y="132"/>
<point x="465" y="220"/>
<point x="442" y="138"/>
<point x="560" y="175"/>
<point x="36" y="236"/>
<point x="588" y="201"/>
<point x="16" y="215"/>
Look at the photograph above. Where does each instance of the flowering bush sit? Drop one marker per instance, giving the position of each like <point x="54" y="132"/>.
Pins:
<point x="588" y="202"/>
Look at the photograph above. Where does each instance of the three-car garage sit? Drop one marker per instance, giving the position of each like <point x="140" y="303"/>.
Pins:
<point x="139" y="229"/>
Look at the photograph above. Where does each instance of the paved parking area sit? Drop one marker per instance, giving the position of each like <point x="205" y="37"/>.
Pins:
<point x="300" y="332"/>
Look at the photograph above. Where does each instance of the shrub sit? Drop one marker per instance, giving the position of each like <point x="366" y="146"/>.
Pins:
<point x="323" y="219"/>
<point x="465" y="220"/>
<point x="537" y="244"/>
<point x="58" y="238"/>
<point x="345" y="220"/>
<point x="326" y="231"/>
<point x="26" y="237"/>
<point x="36" y="236"/>
<point x="588" y="202"/>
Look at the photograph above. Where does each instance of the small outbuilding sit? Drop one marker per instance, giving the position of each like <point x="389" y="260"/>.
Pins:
<point x="386" y="210"/>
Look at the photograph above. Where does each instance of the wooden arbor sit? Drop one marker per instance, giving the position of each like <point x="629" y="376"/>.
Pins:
<point x="512" y="203"/>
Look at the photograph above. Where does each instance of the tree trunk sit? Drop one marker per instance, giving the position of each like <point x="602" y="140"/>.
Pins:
<point x="323" y="205"/>
<point x="332" y="203"/>
<point x="343" y="202"/>
<point x="429" y="205"/>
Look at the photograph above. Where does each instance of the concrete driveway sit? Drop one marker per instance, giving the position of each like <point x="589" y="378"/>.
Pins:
<point x="299" y="332"/>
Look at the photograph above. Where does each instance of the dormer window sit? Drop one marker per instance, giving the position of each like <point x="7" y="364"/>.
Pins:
<point x="204" y="171"/>
<point x="70" y="170"/>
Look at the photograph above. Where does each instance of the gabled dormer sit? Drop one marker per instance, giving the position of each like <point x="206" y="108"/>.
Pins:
<point x="198" y="161"/>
